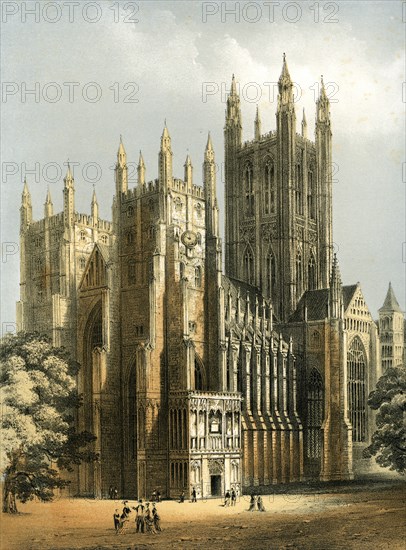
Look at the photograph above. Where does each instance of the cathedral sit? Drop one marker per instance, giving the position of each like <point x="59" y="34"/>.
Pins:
<point x="195" y="375"/>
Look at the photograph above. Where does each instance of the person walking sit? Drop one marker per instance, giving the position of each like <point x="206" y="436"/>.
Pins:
<point x="182" y="497"/>
<point x="227" y="498"/>
<point x="149" y="521"/>
<point x="252" y="504"/>
<point x="260" y="504"/>
<point x="157" y="519"/>
<point x="194" y="499"/>
<point x="116" y="518"/>
<point x="233" y="497"/>
<point x="139" y="518"/>
<point x="115" y="493"/>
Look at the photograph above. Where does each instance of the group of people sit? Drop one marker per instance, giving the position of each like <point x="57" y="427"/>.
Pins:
<point x="230" y="497"/>
<point x="113" y="493"/>
<point x="147" y="519"/>
<point x="256" y="504"/>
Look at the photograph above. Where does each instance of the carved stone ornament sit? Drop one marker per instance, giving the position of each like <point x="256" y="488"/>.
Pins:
<point x="216" y="466"/>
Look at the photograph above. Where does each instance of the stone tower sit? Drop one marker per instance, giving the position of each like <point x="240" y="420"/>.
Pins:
<point x="391" y="331"/>
<point x="278" y="201"/>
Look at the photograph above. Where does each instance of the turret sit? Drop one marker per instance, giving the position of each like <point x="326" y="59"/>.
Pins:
<point x="304" y="125"/>
<point x="121" y="170"/>
<point x="257" y="125"/>
<point x="141" y="170"/>
<point x="209" y="184"/>
<point x="324" y="182"/>
<point x="69" y="197"/>
<point x="26" y="208"/>
<point x="289" y="274"/>
<point x="335" y="292"/>
<point x="188" y="171"/>
<point x="232" y="140"/>
<point x="48" y="206"/>
<point x="165" y="160"/>
<point x="391" y="331"/>
<point x="94" y="208"/>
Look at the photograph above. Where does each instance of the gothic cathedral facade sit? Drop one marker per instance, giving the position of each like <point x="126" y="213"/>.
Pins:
<point x="195" y="378"/>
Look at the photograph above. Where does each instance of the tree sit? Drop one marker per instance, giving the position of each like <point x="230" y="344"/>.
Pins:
<point x="389" y="440"/>
<point x="39" y="401"/>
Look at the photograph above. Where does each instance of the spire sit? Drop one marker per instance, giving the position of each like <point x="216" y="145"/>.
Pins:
<point x="304" y="125"/>
<point x="285" y="76"/>
<point x="257" y="125"/>
<point x="69" y="179"/>
<point x="121" y="169"/>
<point x="121" y="154"/>
<point x="285" y="86"/>
<point x="323" y="105"/>
<point x="141" y="170"/>
<point x="165" y="159"/>
<point x="26" y="207"/>
<point x="94" y="207"/>
<point x="69" y="197"/>
<point x="335" y="290"/>
<point x="188" y="171"/>
<point x="209" y="184"/>
<point x="233" y="111"/>
<point x="390" y="303"/>
<point x="48" y="206"/>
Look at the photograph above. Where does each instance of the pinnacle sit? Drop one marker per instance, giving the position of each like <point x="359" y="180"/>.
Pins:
<point x="390" y="303"/>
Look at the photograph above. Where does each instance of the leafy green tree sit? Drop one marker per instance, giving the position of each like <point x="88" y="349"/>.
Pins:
<point x="389" y="440"/>
<point x="39" y="401"/>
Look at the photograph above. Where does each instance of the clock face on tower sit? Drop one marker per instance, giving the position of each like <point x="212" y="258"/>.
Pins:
<point x="189" y="239"/>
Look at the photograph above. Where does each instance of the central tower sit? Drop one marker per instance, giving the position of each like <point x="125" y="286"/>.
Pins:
<point x="278" y="195"/>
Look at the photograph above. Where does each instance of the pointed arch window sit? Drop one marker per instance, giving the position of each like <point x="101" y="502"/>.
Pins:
<point x="249" y="191"/>
<point x="315" y="412"/>
<point x="269" y="188"/>
<point x="249" y="266"/>
<point x="311" y="198"/>
<point x="198" y="277"/>
<point x="299" y="190"/>
<point x="270" y="272"/>
<point x="356" y="373"/>
<point x="299" y="274"/>
<point x="198" y="376"/>
<point x="131" y="272"/>
<point x="311" y="273"/>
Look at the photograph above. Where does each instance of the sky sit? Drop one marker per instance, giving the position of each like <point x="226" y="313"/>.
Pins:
<point x="98" y="70"/>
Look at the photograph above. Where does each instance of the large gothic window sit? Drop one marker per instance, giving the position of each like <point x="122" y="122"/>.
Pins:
<point x="249" y="191"/>
<point x="356" y="368"/>
<point x="132" y="415"/>
<point x="299" y="186"/>
<point x="299" y="275"/>
<point x="249" y="266"/>
<point x="270" y="272"/>
<point x="310" y="195"/>
<point x="198" y="375"/>
<point x="311" y="273"/>
<point x="269" y="188"/>
<point x="315" y="412"/>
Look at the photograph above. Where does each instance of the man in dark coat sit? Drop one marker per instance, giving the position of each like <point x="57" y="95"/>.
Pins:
<point x="139" y="519"/>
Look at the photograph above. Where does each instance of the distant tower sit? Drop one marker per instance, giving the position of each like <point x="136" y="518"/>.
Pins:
<point x="391" y="331"/>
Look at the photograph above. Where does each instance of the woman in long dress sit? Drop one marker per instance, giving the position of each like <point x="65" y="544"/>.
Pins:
<point x="252" y="504"/>
<point x="149" y="522"/>
<point x="156" y="519"/>
<point x="260" y="504"/>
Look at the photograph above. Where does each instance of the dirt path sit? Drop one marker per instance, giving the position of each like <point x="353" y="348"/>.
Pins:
<point x="371" y="518"/>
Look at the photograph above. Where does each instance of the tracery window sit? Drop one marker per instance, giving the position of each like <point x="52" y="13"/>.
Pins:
<point x="315" y="412"/>
<point x="198" y="376"/>
<point x="269" y="188"/>
<point x="299" y="275"/>
<point x="270" y="272"/>
<point x="356" y="369"/>
<point x="310" y="195"/>
<point x="311" y="273"/>
<point x="299" y="194"/>
<point x="249" y="191"/>
<point x="249" y="266"/>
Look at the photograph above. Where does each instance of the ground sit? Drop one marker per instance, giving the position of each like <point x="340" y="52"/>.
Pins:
<point x="369" y="514"/>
